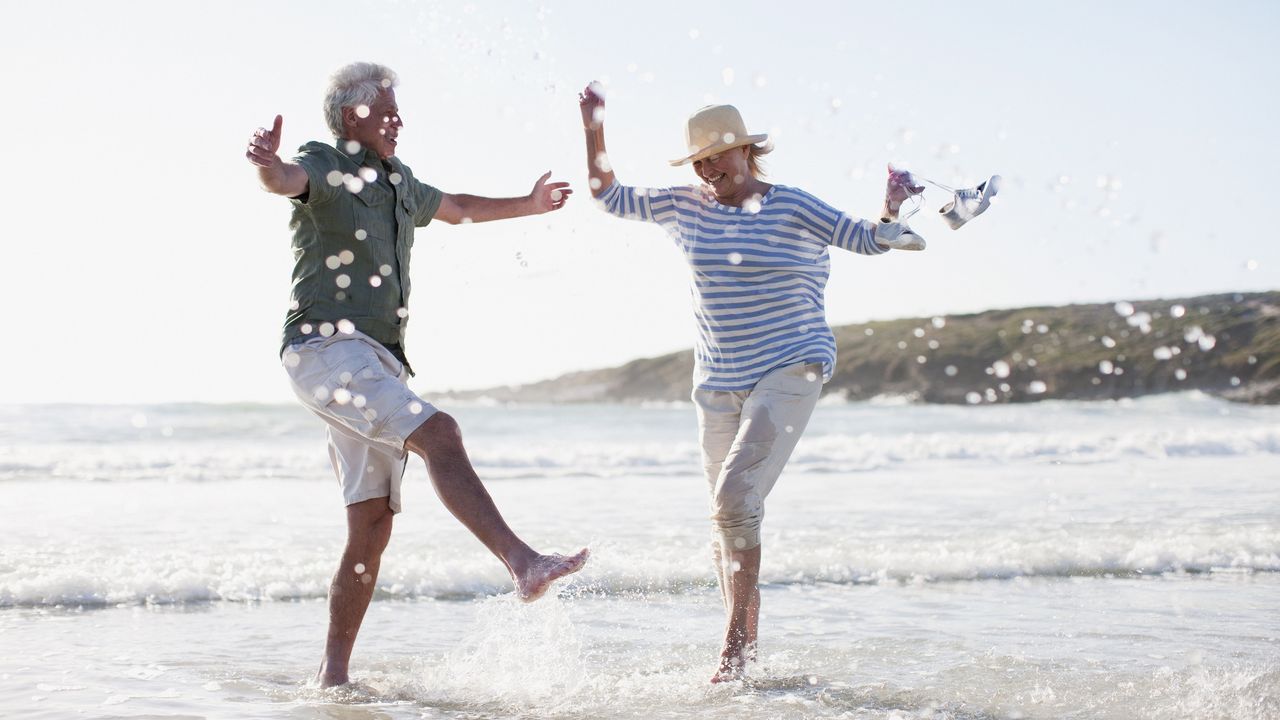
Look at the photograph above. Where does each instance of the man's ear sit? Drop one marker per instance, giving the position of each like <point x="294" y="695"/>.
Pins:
<point x="349" y="118"/>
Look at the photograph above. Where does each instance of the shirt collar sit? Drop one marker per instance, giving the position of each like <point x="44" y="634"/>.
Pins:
<point x="363" y="156"/>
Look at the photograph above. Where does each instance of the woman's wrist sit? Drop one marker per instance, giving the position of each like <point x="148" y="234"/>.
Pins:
<point x="889" y="211"/>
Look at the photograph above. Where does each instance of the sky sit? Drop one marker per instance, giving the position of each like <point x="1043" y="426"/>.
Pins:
<point x="146" y="265"/>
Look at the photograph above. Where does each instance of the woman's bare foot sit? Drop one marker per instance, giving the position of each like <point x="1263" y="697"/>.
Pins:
<point x="728" y="671"/>
<point x="734" y="660"/>
<point x="546" y="569"/>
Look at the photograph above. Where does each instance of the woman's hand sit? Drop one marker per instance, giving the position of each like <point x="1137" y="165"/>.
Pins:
<point x="591" y="103"/>
<point x="599" y="169"/>
<point x="898" y="188"/>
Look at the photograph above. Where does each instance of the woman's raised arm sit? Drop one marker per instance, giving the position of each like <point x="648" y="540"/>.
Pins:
<point x="600" y="172"/>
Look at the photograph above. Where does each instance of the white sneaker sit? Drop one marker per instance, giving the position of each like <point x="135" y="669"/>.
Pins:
<point x="969" y="203"/>
<point x="895" y="234"/>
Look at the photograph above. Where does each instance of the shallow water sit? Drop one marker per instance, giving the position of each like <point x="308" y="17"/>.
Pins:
<point x="1091" y="560"/>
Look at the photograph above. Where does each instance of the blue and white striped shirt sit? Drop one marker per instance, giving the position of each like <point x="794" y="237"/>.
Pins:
<point x="759" y="274"/>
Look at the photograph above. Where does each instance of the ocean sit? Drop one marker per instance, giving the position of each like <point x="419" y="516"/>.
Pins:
<point x="1048" y="560"/>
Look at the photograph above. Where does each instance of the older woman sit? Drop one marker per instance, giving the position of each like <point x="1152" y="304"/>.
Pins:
<point x="758" y="256"/>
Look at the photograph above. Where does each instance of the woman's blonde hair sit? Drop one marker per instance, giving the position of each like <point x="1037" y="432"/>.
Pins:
<point x="754" y="164"/>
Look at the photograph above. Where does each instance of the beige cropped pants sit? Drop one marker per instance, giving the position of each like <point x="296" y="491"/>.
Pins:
<point x="747" y="437"/>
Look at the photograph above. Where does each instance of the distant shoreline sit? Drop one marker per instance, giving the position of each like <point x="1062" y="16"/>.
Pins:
<point x="1227" y="345"/>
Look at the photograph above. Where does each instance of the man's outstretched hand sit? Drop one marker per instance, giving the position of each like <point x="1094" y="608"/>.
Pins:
<point x="549" y="196"/>
<point x="264" y="144"/>
<point x="276" y="175"/>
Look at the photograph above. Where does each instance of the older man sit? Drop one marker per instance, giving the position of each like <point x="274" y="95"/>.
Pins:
<point x="355" y="207"/>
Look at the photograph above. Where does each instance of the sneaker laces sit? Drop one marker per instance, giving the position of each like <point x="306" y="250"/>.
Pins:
<point x="917" y="199"/>
<point x="936" y="184"/>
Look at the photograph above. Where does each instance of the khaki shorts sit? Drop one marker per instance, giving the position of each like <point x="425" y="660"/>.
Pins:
<point x="359" y="389"/>
<point x="747" y="437"/>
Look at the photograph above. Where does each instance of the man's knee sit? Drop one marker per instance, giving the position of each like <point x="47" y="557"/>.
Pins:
<point x="440" y="432"/>
<point x="369" y="524"/>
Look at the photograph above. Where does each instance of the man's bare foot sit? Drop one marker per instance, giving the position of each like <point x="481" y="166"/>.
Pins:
<point x="327" y="678"/>
<point x="537" y="578"/>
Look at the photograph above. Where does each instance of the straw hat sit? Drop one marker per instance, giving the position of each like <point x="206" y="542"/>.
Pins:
<point x="714" y="129"/>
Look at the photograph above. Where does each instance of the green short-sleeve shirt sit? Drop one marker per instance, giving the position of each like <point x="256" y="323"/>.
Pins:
<point x="352" y="235"/>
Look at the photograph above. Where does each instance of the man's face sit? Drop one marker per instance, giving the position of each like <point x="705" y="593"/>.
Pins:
<point x="377" y="126"/>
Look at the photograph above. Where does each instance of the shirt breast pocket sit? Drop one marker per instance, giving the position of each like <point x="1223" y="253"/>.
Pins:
<point x="375" y="213"/>
<point x="410" y="206"/>
<point x="409" y="213"/>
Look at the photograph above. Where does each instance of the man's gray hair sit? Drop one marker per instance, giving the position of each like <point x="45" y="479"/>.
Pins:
<point x="352" y="86"/>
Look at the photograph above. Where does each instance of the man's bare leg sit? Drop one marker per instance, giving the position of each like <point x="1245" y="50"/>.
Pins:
<point x="439" y="442"/>
<point x="743" y="573"/>
<point x="368" y="532"/>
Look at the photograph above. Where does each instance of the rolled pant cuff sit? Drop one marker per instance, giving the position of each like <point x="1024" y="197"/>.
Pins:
<point x="738" y="540"/>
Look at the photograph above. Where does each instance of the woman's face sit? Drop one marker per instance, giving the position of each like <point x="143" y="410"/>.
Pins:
<point x="725" y="172"/>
